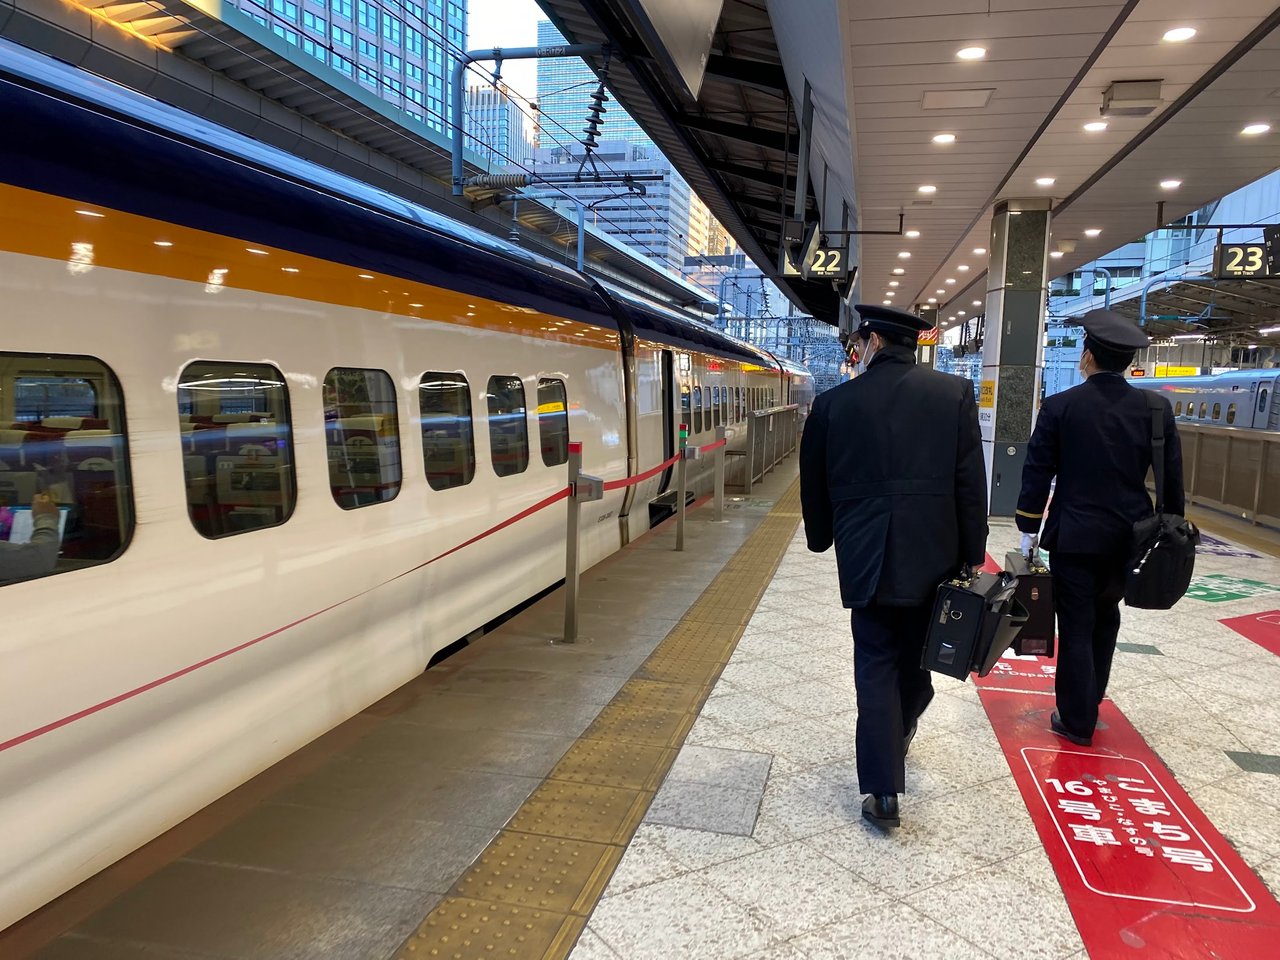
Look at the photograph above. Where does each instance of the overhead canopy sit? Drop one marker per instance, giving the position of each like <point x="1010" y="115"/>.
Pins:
<point x="737" y="143"/>
<point x="1018" y="115"/>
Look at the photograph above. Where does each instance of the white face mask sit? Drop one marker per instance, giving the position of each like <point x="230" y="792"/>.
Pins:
<point x="864" y="357"/>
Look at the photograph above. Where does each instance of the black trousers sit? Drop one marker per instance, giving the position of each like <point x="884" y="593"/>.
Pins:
<point x="893" y="690"/>
<point x="1087" y="590"/>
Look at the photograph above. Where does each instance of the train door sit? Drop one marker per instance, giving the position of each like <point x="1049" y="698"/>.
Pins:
<point x="668" y="388"/>
<point x="1266" y="412"/>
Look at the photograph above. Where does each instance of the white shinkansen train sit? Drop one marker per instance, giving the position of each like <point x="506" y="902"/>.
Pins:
<point x="285" y="420"/>
<point x="1238" y="398"/>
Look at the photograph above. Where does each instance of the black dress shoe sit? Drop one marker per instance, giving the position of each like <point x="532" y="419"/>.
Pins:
<point x="909" y="736"/>
<point x="882" y="810"/>
<point x="1058" y="727"/>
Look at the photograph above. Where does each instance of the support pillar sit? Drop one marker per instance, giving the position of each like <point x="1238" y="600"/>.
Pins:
<point x="1013" y="344"/>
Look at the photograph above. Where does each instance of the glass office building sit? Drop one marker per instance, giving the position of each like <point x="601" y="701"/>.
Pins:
<point x="400" y="49"/>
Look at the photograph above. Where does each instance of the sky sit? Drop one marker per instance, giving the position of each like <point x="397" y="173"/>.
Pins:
<point x="507" y="23"/>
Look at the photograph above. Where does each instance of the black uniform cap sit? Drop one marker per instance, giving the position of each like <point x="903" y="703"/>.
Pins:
<point x="888" y="320"/>
<point x="1113" y="332"/>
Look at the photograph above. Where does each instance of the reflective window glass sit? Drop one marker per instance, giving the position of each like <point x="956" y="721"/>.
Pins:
<point x="553" y="422"/>
<point x="237" y="454"/>
<point x="697" y="410"/>
<point x="1177" y="409"/>
<point x="1262" y="400"/>
<point x="1217" y="411"/>
<point x="1204" y="407"/>
<point x="508" y="428"/>
<point x="66" y="501"/>
<point x="361" y="437"/>
<point x="686" y="408"/>
<point x="715" y="406"/>
<point x="1231" y="413"/>
<point x="448" y="439"/>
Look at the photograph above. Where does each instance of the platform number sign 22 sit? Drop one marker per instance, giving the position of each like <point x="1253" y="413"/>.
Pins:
<point x="829" y="262"/>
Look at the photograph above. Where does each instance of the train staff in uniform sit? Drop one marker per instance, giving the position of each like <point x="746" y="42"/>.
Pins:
<point x="1096" y="439"/>
<point x="891" y="471"/>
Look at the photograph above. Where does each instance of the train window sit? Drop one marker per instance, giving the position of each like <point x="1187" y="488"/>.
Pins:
<point x="1217" y="411"/>
<point x="1177" y="409"/>
<point x="715" y="406"/>
<point x="724" y="404"/>
<point x="686" y="407"/>
<point x="1262" y="400"/>
<point x="1231" y="413"/>
<point x="448" y="438"/>
<point x="237" y="454"/>
<point x="1204" y="407"/>
<point x="66" y="501"/>
<point x="508" y="428"/>
<point x="697" y="409"/>
<point x="361" y="436"/>
<point x="553" y="422"/>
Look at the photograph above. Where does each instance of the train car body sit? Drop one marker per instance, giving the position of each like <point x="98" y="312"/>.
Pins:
<point x="1238" y="398"/>
<point x="302" y="436"/>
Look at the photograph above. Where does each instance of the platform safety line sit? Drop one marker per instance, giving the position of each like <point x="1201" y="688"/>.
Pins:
<point x="530" y="892"/>
<point x="561" y="494"/>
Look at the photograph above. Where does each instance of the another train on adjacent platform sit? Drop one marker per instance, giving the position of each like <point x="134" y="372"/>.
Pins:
<point x="1238" y="398"/>
<point x="286" y="419"/>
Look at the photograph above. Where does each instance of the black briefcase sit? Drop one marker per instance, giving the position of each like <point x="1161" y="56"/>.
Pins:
<point x="1035" y="592"/>
<point x="974" y="621"/>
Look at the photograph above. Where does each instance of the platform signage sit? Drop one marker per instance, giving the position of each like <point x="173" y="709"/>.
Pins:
<point x="1219" y="588"/>
<point x="1262" y="628"/>
<point x="1242" y="260"/>
<point x="1164" y="370"/>
<point x="1144" y="871"/>
<point x="987" y="394"/>
<point x="1213" y="547"/>
<point x="829" y="263"/>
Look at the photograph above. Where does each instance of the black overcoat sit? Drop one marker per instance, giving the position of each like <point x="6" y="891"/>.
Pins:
<point x="1096" y="439"/>
<point x="891" y="471"/>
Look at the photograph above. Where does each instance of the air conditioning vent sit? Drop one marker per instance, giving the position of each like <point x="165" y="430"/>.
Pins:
<point x="1131" y="98"/>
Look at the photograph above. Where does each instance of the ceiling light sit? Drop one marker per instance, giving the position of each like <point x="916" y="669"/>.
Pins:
<point x="887" y="302"/>
<point x="1252" y="130"/>
<point x="930" y="188"/>
<point x="1045" y="181"/>
<point x="1170" y="184"/>
<point x="945" y="138"/>
<point x="1092" y="232"/>
<point x="972" y="53"/>
<point x="163" y="243"/>
<point x="912" y="234"/>
<point x="1267" y="331"/>
<point x="1095" y="126"/>
<point x="365" y="276"/>
<point x="289" y="269"/>
<point x="940" y="292"/>
<point x="979" y="250"/>
<point x="1056" y="254"/>
<point x="261" y="253"/>
<point x="933" y="299"/>
<point x="893" y="283"/>
<point x="977" y="303"/>
<point x="960" y="313"/>
<point x="1179" y="34"/>
<point x="904" y="255"/>
<point x="963" y="268"/>
<point x="891" y="293"/>
<point x="220" y="270"/>
<point x="95" y="213"/>
<point x="898" y="271"/>
<point x="951" y="280"/>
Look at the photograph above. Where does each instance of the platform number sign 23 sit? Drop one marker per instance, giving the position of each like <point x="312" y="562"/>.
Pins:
<point x="1242" y="260"/>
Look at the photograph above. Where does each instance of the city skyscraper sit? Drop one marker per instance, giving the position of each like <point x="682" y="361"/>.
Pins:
<point x="565" y="85"/>
<point x="495" y="126"/>
<point x="401" y="50"/>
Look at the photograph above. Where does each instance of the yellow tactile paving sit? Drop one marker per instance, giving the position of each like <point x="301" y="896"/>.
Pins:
<point x="529" y="894"/>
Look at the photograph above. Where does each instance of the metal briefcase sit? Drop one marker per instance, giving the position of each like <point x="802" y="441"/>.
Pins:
<point x="1035" y="592"/>
<point x="974" y="621"/>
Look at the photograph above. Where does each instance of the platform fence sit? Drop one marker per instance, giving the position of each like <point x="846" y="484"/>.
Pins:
<point x="1234" y="470"/>
<point x="772" y="436"/>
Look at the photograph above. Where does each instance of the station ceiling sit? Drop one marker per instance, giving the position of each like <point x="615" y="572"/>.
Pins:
<point x="1017" y="115"/>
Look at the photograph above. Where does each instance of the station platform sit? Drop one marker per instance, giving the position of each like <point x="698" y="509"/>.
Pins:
<point x="681" y="784"/>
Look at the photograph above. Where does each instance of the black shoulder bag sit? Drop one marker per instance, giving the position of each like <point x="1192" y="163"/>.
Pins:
<point x="1164" y="546"/>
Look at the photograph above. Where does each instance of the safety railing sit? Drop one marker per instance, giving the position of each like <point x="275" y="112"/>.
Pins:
<point x="1233" y="469"/>
<point x="771" y="437"/>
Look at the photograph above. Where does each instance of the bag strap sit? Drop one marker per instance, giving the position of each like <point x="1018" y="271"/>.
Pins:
<point x="1155" y="403"/>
